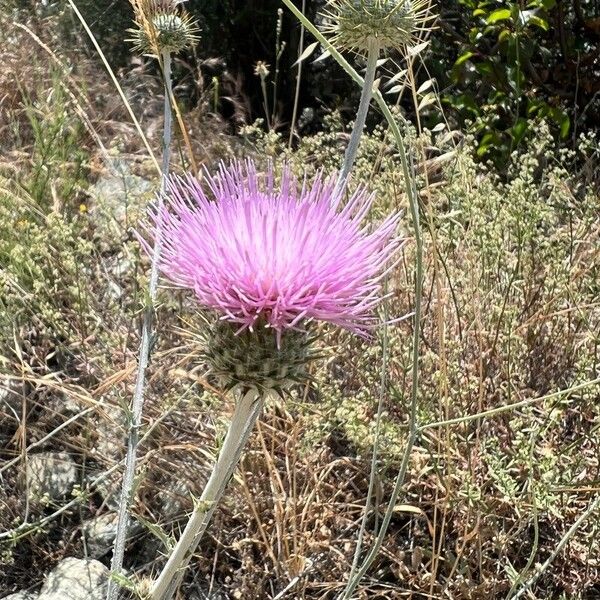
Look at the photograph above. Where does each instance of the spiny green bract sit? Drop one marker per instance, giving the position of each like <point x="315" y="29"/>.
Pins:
<point x="251" y="359"/>
<point x="165" y="32"/>
<point x="363" y="25"/>
<point x="161" y="26"/>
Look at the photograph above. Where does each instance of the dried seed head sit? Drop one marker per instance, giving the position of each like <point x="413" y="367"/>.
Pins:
<point x="363" y="25"/>
<point x="162" y="26"/>
<point x="255" y="359"/>
<point x="261" y="69"/>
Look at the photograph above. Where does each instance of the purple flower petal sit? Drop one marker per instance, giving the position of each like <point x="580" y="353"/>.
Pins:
<point x="281" y="254"/>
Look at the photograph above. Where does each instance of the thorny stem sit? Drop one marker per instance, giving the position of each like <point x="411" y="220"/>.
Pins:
<point x="244" y="417"/>
<point x="137" y="403"/>
<point x="414" y="212"/>
<point x="361" y="115"/>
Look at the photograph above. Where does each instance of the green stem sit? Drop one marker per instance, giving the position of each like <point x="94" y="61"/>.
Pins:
<point x="246" y="413"/>
<point x="414" y="212"/>
<point x="594" y="505"/>
<point x="298" y="80"/>
<point x="376" y="442"/>
<point x="508" y="407"/>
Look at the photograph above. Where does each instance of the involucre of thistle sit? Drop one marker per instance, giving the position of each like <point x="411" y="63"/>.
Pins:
<point x="269" y="259"/>
<point x="243" y="359"/>
<point x="162" y="26"/>
<point x="361" y="25"/>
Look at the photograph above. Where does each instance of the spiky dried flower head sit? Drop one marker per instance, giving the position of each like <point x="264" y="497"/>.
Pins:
<point x="364" y="25"/>
<point x="268" y="259"/>
<point x="162" y="26"/>
<point x="261" y="69"/>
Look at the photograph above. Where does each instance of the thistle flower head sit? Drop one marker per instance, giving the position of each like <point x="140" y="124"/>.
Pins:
<point x="162" y="26"/>
<point x="359" y="25"/>
<point x="268" y="259"/>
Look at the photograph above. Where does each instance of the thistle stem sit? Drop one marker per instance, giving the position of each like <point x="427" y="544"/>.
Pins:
<point x="244" y="417"/>
<point x="361" y="116"/>
<point x="593" y="506"/>
<point x="137" y="403"/>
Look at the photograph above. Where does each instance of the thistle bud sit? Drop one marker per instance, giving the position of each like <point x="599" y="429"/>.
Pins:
<point x="361" y="25"/>
<point x="162" y="26"/>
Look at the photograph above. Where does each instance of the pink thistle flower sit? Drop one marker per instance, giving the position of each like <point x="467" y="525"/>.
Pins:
<point x="261" y="253"/>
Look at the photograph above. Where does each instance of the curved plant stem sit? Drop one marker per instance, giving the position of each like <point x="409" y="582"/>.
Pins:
<point x="594" y="505"/>
<point x="413" y="425"/>
<point x="298" y="80"/>
<point x="414" y="212"/>
<point x="137" y="403"/>
<point x="510" y="407"/>
<point x="361" y="115"/>
<point x="244" y="417"/>
<point x="375" y="455"/>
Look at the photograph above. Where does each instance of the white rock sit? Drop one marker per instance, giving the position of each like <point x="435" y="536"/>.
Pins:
<point x="76" y="579"/>
<point x="100" y="533"/>
<point x="11" y="397"/>
<point x="51" y="474"/>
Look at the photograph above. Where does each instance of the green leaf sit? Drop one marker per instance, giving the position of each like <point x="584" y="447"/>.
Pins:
<point x="501" y="14"/>
<point x="463" y="58"/>
<point x="503" y="35"/>
<point x="561" y="118"/>
<point x="538" y="22"/>
<point x="519" y="129"/>
<point x="485" y="67"/>
<point x="488" y="141"/>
